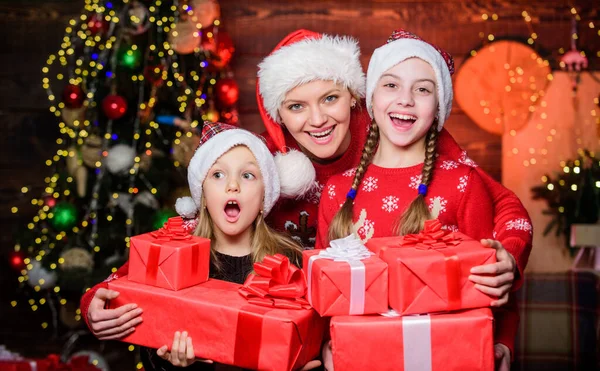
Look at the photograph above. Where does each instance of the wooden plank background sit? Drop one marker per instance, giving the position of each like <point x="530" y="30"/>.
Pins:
<point x="31" y="30"/>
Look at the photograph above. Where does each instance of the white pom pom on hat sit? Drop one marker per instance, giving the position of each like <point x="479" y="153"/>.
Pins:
<point x="186" y="207"/>
<point x="296" y="173"/>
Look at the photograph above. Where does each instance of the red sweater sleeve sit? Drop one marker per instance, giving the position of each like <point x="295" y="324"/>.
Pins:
<point x="512" y="225"/>
<point x="86" y="299"/>
<point x="474" y="214"/>
<point x="506" y="324"/>
<point x="474" y="219"/>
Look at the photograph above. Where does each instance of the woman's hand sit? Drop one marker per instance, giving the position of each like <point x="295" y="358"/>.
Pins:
<point x="495" y="279"/>
<point x="502" y="356"/>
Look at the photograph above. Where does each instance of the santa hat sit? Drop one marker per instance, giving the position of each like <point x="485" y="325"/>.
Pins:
<point x="216" y="140"/>
<point x="301" y="57"/>
<point x="403" y="45"/>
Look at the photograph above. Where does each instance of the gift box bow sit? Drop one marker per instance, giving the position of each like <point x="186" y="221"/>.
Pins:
<point x="432" y="237"/>
<point x="172" y="230"/>
<point x="352" y="251"/>
<point x="446" y="244"/>
<point x="276" y="283"/>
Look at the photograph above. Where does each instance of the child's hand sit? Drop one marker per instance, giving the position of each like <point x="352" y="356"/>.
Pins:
<point x="495" y="279"/>
<point x="116" y="323"/>
<point x="327" y="356"/>
<point x="182" y="351"/>
<point x="502" y="356"/>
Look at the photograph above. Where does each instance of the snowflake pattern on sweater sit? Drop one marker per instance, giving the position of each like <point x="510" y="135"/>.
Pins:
<point x="467" y="206"/>
<point x="369" y="184"/>
<point x="520" y="225"/>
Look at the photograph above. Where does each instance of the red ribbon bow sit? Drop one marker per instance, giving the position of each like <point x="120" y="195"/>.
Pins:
<point x="276" y="283"/>
<point x="172" y="230"/>
<point x="432" y="237"/>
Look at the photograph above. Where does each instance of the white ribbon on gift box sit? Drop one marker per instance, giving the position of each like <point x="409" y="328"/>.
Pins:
<point x="350" y="250"/>
<point x="416" y="335"/>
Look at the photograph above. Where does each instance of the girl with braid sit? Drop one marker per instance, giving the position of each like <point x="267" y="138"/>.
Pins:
<point x="402" y="179"/>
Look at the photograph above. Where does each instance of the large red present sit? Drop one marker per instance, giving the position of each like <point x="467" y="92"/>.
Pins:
<point x="224" y="326"/>
<point x="429" y="272"/>
<point x="169" y="257"/>
<point x="346" y="278"/>
<point x="438" y="342"/>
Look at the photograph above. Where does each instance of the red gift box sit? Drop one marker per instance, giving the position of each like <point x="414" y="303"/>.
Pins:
<point x="50" y="363"/>
<point x="342" y="283"/>
<point x="224" y="326"/>
<point x="169" y="257"/>
<point x="428" y="272"/>
<point x="437" y="342"/>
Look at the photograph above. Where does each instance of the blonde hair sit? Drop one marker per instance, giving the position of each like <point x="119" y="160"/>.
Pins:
<point x="341" y="225"/>
<point x="413" y="219"/>
<point x="264" y="240"/>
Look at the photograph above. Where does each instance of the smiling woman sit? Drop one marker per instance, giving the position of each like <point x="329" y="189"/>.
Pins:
<point x="316" y="114"/>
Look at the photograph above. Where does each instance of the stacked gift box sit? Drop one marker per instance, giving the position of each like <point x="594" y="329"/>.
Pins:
<point x="264" y="324"/>
<point x="437" y="321"/>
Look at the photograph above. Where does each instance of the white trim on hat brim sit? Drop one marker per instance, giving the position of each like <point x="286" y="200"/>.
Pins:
<point x="335" y="58"/>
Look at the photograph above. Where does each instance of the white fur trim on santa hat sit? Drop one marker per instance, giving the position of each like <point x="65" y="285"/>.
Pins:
<point x="210" y="151"/>
<point x="326" y="58"/>
<point x="186" y="207"/>
<point x="296" y="173"/>
<point x="390" y="54"/>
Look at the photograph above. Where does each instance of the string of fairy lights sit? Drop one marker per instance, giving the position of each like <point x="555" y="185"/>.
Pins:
<point x="514" y="72"/>
<point x="80" y="73"/>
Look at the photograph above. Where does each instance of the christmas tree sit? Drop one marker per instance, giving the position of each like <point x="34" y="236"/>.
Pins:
<point x="126" y="73"/>
<point x="572" y="194"/>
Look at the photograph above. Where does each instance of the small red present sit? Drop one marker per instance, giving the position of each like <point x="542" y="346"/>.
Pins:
<point x="280" y="333"/>
<point x="169" y="257"/>
<point x="438" y="342"/>
<point x="346" y="278"/>
<point x="429" y="272"/>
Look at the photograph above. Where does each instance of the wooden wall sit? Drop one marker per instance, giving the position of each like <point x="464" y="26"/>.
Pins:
<point x="31" y="30"/>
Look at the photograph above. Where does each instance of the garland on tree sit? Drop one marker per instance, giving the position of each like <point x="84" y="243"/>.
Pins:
<point x="126" y="71"/>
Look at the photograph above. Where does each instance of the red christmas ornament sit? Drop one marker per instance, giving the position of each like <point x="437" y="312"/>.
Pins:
<point x="114" y="106"/>
<point x="50" y="201"/>
<point x="230" y="116"/>
<point x="154" y="74"/>
<point x="97" y="24"/>
<point x="219" y="44"/>
<point x="228" y="92"/>
<point x="73" y="96"/>
<point x="17" y="260"/>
